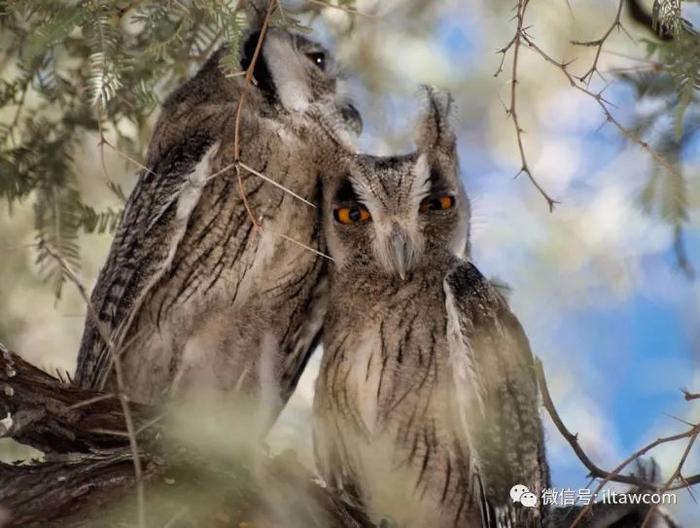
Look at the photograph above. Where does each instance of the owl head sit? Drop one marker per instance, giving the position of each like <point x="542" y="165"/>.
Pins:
<point x="394" y="214"/>
<point x="294" y="73"/>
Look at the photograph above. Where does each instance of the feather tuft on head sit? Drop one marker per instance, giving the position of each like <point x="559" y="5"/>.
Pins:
<point x="435" y="131"/>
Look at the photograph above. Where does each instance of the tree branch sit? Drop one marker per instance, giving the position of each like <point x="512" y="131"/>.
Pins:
<point x="512" y="110"/>
<point x="690" y="395"/>
<point x="614" y="476"/>
<point x="599" y="43"/>
<point x="87" y="474"/>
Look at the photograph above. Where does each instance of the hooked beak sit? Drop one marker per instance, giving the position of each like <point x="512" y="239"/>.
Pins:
<point x="399" y="253"/>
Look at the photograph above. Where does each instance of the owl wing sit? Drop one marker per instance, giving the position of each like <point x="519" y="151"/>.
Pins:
<point x="496" y="390"/>
<point x="153" y="224"/>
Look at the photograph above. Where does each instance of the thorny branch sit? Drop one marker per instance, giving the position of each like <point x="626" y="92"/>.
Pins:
<point x="676" y="474"/>
<point x="615" y="475"/>
<point x="515" y="44"/>
<point x="116" y="363"/>
<point x="603" y="104"/>
<point x="579" y="83"/>
<point x="599" y="43"/>
<point x="237" y="131"/>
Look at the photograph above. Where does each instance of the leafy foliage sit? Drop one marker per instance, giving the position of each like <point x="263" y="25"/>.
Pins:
<point x="78" y="69"/>
<point x="73" y="68"/>
<point x="674" y="119"/>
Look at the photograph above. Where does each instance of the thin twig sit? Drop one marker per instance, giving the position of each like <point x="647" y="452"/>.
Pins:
<point x="676" y="474"/>
<point x="515" y="44"/>
<point x="249" y="78"/>
<point x="572" y="439"/>
<point x="300" y="244"/>
<point x="603" y="104"/>
<point x="237" y="130"/>
<point x="691" y="395"/>
<point x="238" y="164"/>
<point x="90" y="401"/>
<point x="128" y="419"/>
<point x="101" y="143"/>
<point x="273" y="182"/>
<point x="17" y="248"/>
<point x="127" y="157"/>
<point x="599" y="43"/>
<point x="614" y="475"/>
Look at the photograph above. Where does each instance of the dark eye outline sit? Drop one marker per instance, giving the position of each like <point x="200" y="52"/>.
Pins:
<point x="353" y="214"/>
<point x="318" y="58"/>
<point x="437" y="203"/>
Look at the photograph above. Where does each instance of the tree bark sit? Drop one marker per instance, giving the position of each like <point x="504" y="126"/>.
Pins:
<point x="86" y="477"/>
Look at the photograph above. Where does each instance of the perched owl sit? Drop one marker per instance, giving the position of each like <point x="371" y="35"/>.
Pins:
<point x="426" y="405"/>
<point x="193" y="294"/>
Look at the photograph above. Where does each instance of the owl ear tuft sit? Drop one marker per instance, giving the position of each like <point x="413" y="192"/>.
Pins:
<point x="435" y="131"/>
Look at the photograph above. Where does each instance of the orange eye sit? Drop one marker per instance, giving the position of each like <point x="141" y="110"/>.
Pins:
<point x="437" y="203"/>
<point x="351" y="215"/>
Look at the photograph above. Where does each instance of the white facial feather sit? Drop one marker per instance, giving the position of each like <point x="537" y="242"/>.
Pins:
<point x="288" y="74"/>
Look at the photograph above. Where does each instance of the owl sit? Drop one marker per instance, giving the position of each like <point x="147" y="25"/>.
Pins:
<point x="214" y="280"/>
<point x="426" y="406"/>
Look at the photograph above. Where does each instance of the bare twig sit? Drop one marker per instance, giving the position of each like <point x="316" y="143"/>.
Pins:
<point x="237" y="130"/>
<point x="302" y="245"/>
<point x="614" y="476"/>
<point x="273" y="182"/>
<point x="90" y="401"/>
<point x="128" y="158"/>
<point x="691" y="395"/>
<point x="515" y="44"/>
<point x="603" y="104"/>
<point x="111" y="185"/>
<point x="128" y="419"/>
<point x="572" y="439"/>
<point x="676" y="474"/>
<point x="237" y="163"/>
<point x="599" y="43"/>
<point x="503" y="52"/>
<point x="249" y="78"/>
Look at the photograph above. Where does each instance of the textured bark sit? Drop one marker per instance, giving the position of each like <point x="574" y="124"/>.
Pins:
<point x="87" y="477"/>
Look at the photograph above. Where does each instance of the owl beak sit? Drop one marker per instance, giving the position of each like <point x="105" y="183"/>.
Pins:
<point x="399" y="253"/>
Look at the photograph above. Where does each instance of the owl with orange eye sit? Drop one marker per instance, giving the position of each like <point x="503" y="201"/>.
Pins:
<point x="426" y="408"/>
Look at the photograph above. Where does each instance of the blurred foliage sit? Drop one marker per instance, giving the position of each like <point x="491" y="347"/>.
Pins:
<point x="71" y="68"/>
<point x="671" y="85"/>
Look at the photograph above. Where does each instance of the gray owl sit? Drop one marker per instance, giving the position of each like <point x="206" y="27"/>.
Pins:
<point x="192" y="293"/>
<point x="426" y="406"/>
